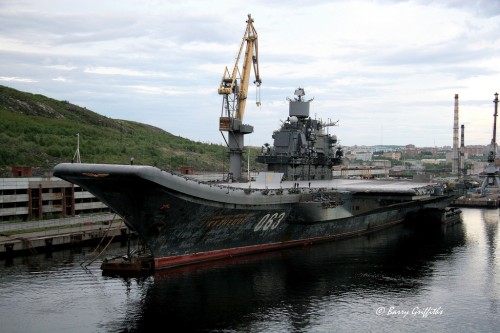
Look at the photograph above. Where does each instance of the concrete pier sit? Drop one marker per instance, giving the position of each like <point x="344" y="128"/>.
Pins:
<point x="31" y="237"/>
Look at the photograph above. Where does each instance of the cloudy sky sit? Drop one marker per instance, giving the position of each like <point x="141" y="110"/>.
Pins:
<point x="388" y="71"/>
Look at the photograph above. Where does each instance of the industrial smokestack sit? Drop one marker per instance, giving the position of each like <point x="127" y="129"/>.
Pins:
<point x="455" y="163"/>
<point x="462" y="150"/>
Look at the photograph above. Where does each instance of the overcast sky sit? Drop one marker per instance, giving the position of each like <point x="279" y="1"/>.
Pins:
<point x="388" y="71"/>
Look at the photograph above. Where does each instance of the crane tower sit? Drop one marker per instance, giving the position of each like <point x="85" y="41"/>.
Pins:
<point x="491" y="169"/>
<point x="234" y="89"/>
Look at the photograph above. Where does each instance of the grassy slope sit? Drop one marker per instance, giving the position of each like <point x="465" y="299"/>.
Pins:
<point x="39" y="131"/>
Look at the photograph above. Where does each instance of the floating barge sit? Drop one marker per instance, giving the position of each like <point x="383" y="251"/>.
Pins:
<point x="128" y="265"/>
<point x="489" y="201"/>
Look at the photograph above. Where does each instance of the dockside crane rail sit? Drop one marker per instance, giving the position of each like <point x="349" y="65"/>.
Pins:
<point x="234" y="84"/>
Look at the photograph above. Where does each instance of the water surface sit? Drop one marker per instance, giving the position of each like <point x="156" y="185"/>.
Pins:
<point x="407" y="278"/>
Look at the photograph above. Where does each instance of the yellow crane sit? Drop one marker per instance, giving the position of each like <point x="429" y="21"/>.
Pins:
<point x="234" y="88"/>
<point x="234" y="85"/>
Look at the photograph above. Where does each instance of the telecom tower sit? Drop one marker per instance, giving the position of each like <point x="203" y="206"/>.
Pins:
<point x="490" y="169"/>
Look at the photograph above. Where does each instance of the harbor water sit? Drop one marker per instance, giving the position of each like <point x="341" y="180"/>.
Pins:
<point x="409" y="278"/>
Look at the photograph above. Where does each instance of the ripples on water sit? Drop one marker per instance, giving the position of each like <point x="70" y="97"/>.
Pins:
<point x="401" y="279"/>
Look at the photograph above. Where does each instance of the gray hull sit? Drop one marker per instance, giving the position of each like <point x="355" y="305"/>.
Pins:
<point x="185" y="221"/>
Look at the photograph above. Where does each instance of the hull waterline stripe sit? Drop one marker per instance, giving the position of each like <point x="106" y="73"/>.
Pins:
<point x="181" y="260"/>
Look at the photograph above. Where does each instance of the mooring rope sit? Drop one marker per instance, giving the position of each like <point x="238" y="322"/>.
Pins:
<point x="105" y="234"/>
<point x="100" y="242"/>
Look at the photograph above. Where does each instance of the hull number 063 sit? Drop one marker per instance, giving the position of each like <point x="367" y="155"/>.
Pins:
<point x="269" y="221"/>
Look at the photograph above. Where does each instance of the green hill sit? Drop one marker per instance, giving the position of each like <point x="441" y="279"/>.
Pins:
<point x="40" y="132"/>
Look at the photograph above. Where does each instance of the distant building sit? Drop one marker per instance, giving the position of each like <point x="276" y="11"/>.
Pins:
<point x="393" y="155"/>
<point x="432" y="150"/>
<point x="37" y="198"/>
<point x="363" y="155"/>
<point x="435" y="161"/>
<point x="476" y="150"/>
<point x="411" y="151"/>
<point x="22" y="171"/>
<point x="381" y="163"/>
<point x="449" y="157"/>
<point x="186" y="170"/>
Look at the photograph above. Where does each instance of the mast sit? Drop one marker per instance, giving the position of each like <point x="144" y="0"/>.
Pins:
<point x="76" y="157"/>
<point x="494" y="140"/>
<point x="491" y="170"/>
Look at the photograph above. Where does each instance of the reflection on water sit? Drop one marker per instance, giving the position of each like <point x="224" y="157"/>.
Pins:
<point x="285" y="289"/>
<point x="365" y="283"/>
